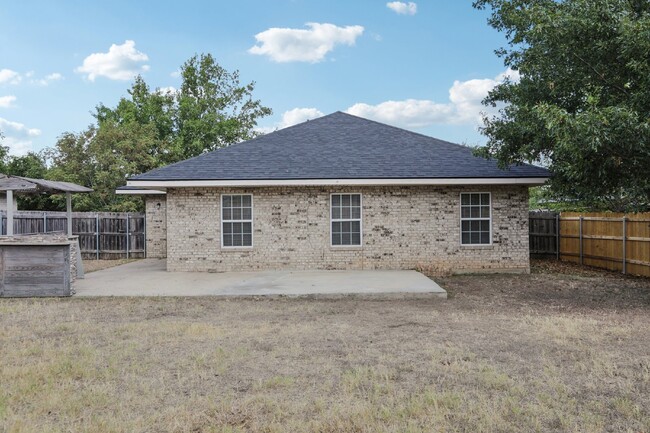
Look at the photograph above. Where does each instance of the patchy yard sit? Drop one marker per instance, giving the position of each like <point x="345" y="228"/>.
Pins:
<point x="559" y="350"/>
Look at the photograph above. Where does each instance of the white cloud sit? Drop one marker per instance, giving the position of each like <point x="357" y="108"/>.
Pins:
<point x="409" y="113"/>
<point x="7" y="76"/>
<point x="293" y="117"/>
<point x="121" y="62"/>
<point x="8" y="125"/>
<point x="17" y="136"/>
<point x="463" y="108"/>
<point x="17" y="146"/>
<point x="48" y="79"/>
<point x="301" y="45"/>
<point x="466" y="96"/>
<point x="7" y="101"/>
<point x="175" y="74"/>
<point x="299" y="115"/>
<point x="403" y="8"/>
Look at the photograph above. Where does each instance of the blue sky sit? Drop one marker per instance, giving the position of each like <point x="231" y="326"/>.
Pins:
<point x="424" y="66"/>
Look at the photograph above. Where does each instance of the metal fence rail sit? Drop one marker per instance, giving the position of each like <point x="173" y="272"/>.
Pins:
<point x="102" y="235"/>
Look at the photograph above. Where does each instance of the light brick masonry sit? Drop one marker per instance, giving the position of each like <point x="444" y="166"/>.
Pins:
<point x="414" y="227"/>
<point x="156" y="214"/>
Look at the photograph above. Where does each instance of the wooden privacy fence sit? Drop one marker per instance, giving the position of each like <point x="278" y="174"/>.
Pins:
<point x="613" y="241"/>
<point x="102" y="235"/>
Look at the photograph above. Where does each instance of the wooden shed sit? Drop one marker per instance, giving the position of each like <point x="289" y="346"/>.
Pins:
<point x="44" y="264"/>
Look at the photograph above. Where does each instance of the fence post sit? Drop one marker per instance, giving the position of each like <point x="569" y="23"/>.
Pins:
<point x="97" y="236"/>
<point x="127" y="235"/>
<point x="625" y="244"/>
<point x="68" y="211"/>
<point x="557" y="236"/>
<point x="144" y="229"/>
<point x="581" y="255"/>
<point x="44" y="222"/>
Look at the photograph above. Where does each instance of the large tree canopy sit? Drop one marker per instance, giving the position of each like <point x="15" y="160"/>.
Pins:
<point x="582" y="103"/>
<point x="152" y="128"/>
<point x="211" y="109"/>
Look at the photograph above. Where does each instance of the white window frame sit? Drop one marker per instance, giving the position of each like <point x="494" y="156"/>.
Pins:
<point x="237" y="221"/>
<point x="360" y="219"/>
<point x="460" y="214"/>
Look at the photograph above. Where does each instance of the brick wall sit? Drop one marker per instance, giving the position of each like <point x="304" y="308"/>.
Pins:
<point x="403" y="228"/>
<point x="156" y="209"/>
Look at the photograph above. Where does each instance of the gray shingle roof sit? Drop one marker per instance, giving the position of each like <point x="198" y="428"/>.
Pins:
<point x="339" y="146"/>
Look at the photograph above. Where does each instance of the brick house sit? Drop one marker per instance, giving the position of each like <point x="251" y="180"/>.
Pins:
<point x="339" y="192"/>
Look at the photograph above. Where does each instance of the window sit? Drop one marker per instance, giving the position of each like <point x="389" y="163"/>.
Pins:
<point x="237" y="220"/>
<point x="475" y="218"/>
<point x="346" y="219"/>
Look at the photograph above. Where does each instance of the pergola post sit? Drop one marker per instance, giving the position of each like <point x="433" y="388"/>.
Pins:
<point x="68" y="210"/>
<point x="10" y="212"/>
<point x="25" y="185"/>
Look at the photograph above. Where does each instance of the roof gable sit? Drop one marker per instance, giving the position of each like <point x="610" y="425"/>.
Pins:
<point x="339" y="146"/>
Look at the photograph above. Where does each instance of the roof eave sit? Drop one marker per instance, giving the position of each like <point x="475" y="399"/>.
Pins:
<point x="139" y="191"/>
<point x="163" y="184"/>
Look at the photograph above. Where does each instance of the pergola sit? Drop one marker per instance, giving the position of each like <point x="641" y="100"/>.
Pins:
<point x="26" y="185"/>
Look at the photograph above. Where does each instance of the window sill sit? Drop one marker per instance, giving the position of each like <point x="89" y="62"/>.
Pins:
<point x="477" y="247"/>
<point x="346" y="248"/>
<point x="236" y="249"/>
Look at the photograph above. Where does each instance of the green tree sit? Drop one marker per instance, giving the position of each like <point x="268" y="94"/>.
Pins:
<point x="213" y="109"/>
<point x="120" y="151"/>
<point x="156" y="109"/>
<point x="102" y="158"/>
<point x="31" y="165"/>
<point x="582" y="104"/>
<point x="152" y="128"/>
<point x="4" y="154"/>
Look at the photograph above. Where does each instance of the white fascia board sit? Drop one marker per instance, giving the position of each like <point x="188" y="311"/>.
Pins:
<point x="333" y="182"/>
<point x="142" y="191"/>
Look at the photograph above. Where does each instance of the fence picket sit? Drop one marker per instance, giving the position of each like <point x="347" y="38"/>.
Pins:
<point x="102" y="235"/>
<point x="612" y="241"/>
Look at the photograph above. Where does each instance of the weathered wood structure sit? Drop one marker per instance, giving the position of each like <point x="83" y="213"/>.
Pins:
<point x="41" y="265"/>
<point x="25" y="185"/>
<point x="44" y="265"/>
<point x="102" y="235"/>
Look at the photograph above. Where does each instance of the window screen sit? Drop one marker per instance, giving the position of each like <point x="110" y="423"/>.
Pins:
<point x="475" y="226"/>
<point x="237" y="220"/>
<point x="346" y="219"/>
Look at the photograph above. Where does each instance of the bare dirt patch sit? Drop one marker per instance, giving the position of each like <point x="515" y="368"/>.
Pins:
<point x="557" y="350"/>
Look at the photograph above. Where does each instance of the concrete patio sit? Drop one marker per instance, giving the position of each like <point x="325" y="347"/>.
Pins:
<point x="149" y="278"/>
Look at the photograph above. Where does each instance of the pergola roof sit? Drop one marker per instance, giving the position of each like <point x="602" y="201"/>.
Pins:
<point x="29" y="185"/>
<point x="15" y="184"/>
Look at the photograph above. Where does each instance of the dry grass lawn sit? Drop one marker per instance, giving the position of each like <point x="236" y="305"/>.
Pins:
<point x="559" y="350"/>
